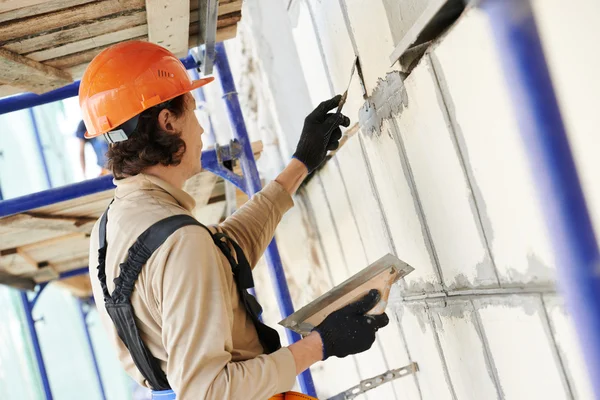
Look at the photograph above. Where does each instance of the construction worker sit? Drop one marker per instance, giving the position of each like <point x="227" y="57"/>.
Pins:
<point x="98" y="144"/>
<point x="172" y="292"/>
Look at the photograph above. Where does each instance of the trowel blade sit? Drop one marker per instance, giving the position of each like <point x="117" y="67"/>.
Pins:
<point x="381" y="275"/>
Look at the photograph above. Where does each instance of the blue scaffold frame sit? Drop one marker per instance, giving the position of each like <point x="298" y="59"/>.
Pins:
<point x="212" y="160"/>
<point x="543" y="131"/>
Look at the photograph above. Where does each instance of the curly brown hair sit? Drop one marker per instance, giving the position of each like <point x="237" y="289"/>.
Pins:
<point x="148" y="145"/>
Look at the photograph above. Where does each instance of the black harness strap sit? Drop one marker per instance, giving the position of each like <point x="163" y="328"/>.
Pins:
<point x="119" y="307"/>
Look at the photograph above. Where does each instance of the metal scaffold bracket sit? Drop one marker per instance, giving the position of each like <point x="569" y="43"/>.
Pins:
<point x="372" y="383"/>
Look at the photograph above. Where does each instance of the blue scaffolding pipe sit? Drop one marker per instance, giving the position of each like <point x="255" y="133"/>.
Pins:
<point x="28" y="307"/>
<point x="84" y="313"/>
<point x="73" y="272"/>
<point x="91" y="186"/>
<point x="40" y="146"/>
<point x="254" y="185"/>
<point x="28" y="100"/>
<point x="544" y="134"/>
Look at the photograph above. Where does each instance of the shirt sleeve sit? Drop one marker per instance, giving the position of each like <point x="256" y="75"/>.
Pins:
<point x="254" y="224"/>
<point x="195" y="305"/>
<point x="80" y="132"/>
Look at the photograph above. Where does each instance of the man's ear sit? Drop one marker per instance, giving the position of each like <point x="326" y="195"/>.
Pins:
<point x="166" y="121"/>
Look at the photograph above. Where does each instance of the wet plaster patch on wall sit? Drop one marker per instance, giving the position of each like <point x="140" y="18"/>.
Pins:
<point x="389" y="98"/>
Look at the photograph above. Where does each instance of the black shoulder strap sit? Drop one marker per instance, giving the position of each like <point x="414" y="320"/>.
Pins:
<point x="145" y="245"/>
<point x="138" y="254"/>
<point x="118" y="305"/>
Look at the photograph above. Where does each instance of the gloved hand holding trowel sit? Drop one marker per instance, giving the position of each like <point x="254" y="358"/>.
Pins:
<point x="350" y="330"/>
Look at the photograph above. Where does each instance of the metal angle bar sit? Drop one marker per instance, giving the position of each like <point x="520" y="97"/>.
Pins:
<point x="27" y="100"/>
<point x="254" y="185"/>
<point x="91" y="186"/>
<point x="558" y="183"/>
<point x="372" y="383"/>
<point x="28" y="308"/>
<point x="210" y="35"/>
<point x="202" y="15"/>
<point x="84" y="313"/>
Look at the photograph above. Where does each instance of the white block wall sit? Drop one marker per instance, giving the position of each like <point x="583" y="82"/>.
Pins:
<point x="444" y="184"/>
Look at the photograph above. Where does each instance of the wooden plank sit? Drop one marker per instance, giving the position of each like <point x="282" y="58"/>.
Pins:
<point x="8" y="5"/>
<point x="42" y="7"/>
<point x="223" y="34"/>
<point x="13" y="237"/>
<point x="227" y="8"/>
<point x="169" y="24"/>
<point x="75" y="220"/>
<point x="58" y="240"/>
<point x="45" y="274"/>
<point x="23" y="221"/>
<point x="73" y="263"/>
<point x="84" y="51"/>
<point x="7" y="90"/>
<point x="109" y="39"/>
<point x="22" y="72"/>
<point x="88" y="206"/>
<point x="83" y="57"/>
<point x="77" y="62"/>
<point x="87" y="31"/>
<point x="104" y="26"/>
<point x="28" y="259"/>
<point x="90" y="43"/>
<point x="64" y="18"/>
<point x="64" y="256"/>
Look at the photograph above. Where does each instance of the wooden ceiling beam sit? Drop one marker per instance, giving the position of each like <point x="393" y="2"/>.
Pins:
<point x="83" y="14"/>
<point x="17" y="9"/>
<point x="30" y="75"/>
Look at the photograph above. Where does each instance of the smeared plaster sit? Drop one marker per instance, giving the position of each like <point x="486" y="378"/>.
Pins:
<point x="388" y="99"/>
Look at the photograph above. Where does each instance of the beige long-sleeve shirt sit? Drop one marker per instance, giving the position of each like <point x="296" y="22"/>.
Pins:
<point x="185" y="301"/>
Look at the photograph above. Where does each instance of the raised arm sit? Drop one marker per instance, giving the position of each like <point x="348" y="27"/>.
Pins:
<point x="253" y="225"/>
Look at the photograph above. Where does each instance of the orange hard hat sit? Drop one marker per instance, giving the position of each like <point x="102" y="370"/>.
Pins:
<point x="128" y="78"/>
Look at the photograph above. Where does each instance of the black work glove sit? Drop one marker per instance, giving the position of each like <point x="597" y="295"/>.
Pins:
<point x="348" y="330"/>
<point x="321" y="132"/>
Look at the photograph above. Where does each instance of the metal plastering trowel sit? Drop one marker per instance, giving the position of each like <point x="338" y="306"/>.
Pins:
<point x="381" y="275"/>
